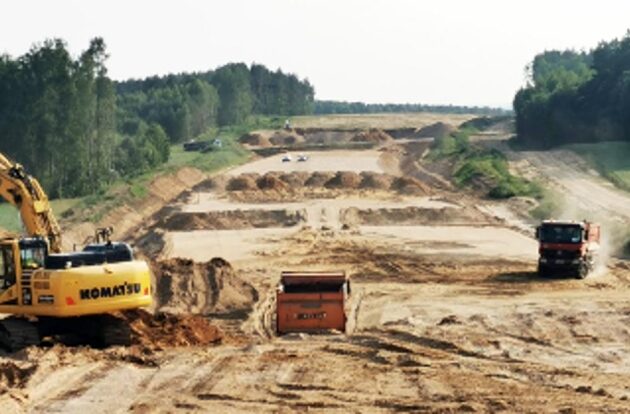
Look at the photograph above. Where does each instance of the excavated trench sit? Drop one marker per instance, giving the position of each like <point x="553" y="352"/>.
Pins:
<point x="235" y="219"/>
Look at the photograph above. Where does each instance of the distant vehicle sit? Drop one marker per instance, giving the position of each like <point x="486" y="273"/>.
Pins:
<point x="287" y="158"/>
<point x="302" y="158"/>
<point x="193" y="145"/>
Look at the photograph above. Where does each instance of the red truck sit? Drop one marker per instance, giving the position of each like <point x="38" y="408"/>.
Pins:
<point x="567" y="247"/>
<point x="312" y="301"/>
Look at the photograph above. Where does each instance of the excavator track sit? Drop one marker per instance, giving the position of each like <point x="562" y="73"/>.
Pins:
<point x="100" y="331"/>
<point x="18" y="333"/>
<point x="114" y="332"/>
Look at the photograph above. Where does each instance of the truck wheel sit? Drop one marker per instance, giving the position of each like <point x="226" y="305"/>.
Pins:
<point x="542" y="271"/>
<point x="582" y="271"/>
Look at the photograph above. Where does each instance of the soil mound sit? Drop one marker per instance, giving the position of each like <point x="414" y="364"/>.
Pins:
<point x="327" y="136"/>
<point x="399" y="133"/>
<point x="376" y="136"/>
<point x="295" y="179"/>
<point x="375" y="181"/>
<point x="437" y="130"/>
<point x="255" y="140"/>
<point x="413" y="216"/>
<point x="164" y="330"/>
<point x="231" y="220"/>
<point x="318" y="179"/>
<point x="345" y="180"/>
<point x="286" y="138"/>
<point x="271" y="181"/>
<point x="186" y="287"/>
<point x="213" y="184"/>
<point x="410" y="186"/>
<point x="245" y="182"/>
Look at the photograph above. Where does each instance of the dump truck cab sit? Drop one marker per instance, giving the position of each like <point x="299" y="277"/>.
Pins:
<point x="567" y="247"/>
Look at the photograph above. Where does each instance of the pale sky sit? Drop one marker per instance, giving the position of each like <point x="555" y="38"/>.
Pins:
<point x="461" y="52"/>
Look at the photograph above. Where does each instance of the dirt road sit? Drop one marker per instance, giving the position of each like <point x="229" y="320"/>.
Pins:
<point x="356" y="161"/>
<point x="581" y="189"/>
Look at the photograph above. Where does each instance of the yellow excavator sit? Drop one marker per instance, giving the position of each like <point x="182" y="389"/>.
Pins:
<point x="48" y="293"/>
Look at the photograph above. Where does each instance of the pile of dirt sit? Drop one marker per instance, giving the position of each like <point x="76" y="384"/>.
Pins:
<point x="295" y="179"/>
<point x="410" y="186"/>
<point x="319" y="179"/>
<point x="295" y="182"/>
<point x="376" y="136"/>
<point x="186" y="287"/>
<point x="413" y="216"/>
<point x="283" y="138"/>
<point x="231" y="220"/>
<point x="399" y="133"/>
<point x="344" y="180"/>
<point x="271" y="181"/>
<point x="164" y="330"/>
<point x="375" y="181"/>
<point x="244" y="182"/>
<point x="437" y="130"/>
<point x="322" y="136"/>
<point x="255" y="139"/>
<point x="216" y="183"/>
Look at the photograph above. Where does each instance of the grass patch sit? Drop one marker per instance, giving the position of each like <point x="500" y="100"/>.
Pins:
<point x="479" y="168"/>
<point x="548" y="208"/>
<point x="10" y="216"/>
<point x="611" y="159"/>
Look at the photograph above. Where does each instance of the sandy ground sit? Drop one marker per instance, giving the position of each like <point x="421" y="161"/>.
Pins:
<point x="466" y="240"/>
<point x="233" y="245"/>
<point x="582" y="187"/>
<point x="203" y="201"/>
<point x="446" y="317"/>
<point x="356" y="161"/>
<point x="580" y="190"/>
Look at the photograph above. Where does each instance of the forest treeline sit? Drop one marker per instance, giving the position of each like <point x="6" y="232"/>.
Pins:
<point x="185" y="105"/>
<point x="576" y="96"/>
<point x="77" y="131"/>
<point x="342" y="107"/>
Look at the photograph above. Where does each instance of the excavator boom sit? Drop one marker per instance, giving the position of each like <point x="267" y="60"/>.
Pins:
<point x="25" y="193"/>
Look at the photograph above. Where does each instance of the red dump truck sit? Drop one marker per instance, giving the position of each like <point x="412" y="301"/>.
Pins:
<point x="567" y="247"/>
<point x="312" y="301"/>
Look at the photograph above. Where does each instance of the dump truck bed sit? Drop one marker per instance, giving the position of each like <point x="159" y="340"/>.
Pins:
<point x="311" y="301"/>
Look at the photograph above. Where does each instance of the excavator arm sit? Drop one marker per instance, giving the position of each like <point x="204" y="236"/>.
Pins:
<point x="27" y="195"/>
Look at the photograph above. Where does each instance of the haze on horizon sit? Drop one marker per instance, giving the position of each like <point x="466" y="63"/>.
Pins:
<point x="434" y="52"/>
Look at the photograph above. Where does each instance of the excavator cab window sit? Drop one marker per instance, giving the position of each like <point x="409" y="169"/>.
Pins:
<point x="7" y="267"/>
<point x="33" y="253"/>
<point x="33" y="258"/>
